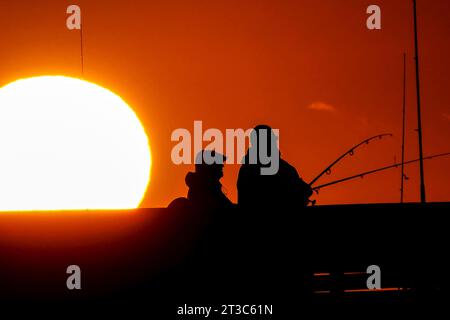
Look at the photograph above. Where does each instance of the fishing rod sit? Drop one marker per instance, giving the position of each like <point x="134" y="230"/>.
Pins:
<point x="350" y="152"/>
<point x="361" y="175"/>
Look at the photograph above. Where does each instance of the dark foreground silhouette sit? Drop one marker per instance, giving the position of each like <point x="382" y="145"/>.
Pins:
<point x="205" y="190"/>
<point x="266" y="182"/>
<point x="269" y="249"/>
<point x="154" y="260"/>
<point x="282" y="188"/>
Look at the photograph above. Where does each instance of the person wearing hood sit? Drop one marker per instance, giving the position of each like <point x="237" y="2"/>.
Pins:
<point x="282" y="188"/>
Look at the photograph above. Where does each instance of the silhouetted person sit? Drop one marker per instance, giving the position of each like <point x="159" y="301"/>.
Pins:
<point x="203" y="218"/>
<point x="205" y="190"/>
<point x="270" y="192"/>
<point x="265" y="180"/>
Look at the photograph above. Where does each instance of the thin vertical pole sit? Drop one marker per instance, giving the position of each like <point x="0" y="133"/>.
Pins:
<point x="81" y="47"/>
<point x="403" y="128"/>
<point x="419" y="116"/>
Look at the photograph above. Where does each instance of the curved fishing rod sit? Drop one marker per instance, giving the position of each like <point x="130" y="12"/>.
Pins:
<point x="361" y="175"/>
<point x="350" y="152"/>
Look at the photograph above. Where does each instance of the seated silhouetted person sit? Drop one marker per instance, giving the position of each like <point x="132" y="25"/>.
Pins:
<point x="266" y="181"/>
<point x="199" y="222"/>
<point x="205" y="190"/>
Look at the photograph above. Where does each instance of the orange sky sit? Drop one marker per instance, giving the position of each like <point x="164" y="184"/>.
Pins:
<point x="234" y="64"/>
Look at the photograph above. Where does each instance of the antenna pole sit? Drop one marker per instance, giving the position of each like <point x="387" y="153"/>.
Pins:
<point x="403" y="129"/>
<point x="419" y="117"/>
<point x="81" y="48"/>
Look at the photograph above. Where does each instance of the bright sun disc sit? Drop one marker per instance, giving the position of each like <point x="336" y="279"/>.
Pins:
<point x="69" y="144"/>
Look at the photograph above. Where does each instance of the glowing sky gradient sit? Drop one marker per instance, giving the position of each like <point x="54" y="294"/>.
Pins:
<point x="234" y="64"/>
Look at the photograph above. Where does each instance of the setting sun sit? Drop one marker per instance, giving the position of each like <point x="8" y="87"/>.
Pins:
<point x="69" y="144"/>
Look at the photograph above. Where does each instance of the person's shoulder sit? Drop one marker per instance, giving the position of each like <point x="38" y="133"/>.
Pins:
<point x="287" y="167"/>
<point x="180" y="203"/>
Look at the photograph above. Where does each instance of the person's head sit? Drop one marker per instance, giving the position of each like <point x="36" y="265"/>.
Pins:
<point x="210" y="163"/>
<point x="264" y="150"/>
<point x="263" y="134"/>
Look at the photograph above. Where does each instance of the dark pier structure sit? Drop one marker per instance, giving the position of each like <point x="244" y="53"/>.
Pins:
<point x="158" y="259"/>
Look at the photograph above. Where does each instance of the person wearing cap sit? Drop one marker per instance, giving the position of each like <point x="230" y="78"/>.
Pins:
<point x="205" y="189"/>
